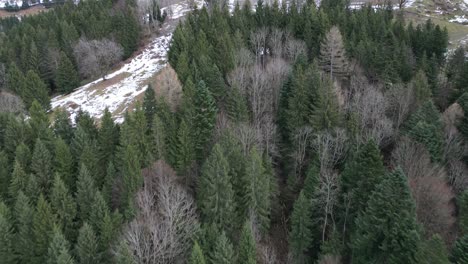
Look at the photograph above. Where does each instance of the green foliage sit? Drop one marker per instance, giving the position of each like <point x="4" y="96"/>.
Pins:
<point x="433" y="251"/>
<point x="123" y="254"/>
<point x="463" y="209"/>
<point x="24" y="245"/>
<point x="300" y="238"/>
<point x="460" y="250"/>
<point x="149" y="104"/>
<point x="35" y="89"/>
<point x="42" y="231"/>
<point x="196" y="256"/>
<point x="387" y="229"/>
<point x="41" y="166"/>
<point x="64" y="206"/>
<point x="132" y="180"/>
<point x="64" y="163"/>
<point x="85" y="191"/>
<point x="185" y="148"/>
<point x="204" y="120"/>
<point x="223" y="252"/>
<point x="6" y="235"/>
<point x="247" y="246"/>
<point x="87" y="245"/>
<point x="215" y="195"/>
<point x="58" y="252"/>
<point x="66" y="78"/>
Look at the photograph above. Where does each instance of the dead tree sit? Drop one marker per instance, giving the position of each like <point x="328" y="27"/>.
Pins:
<point x="96" y="57"/>
<point x="332" y="54"/>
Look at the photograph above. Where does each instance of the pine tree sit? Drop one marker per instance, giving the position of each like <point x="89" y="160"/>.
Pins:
<point x="86" y="246"/>
<point x="205" y="118"/>
<point x="421" y="87"/>
<point x="64" y="206"/>
<point x="215" y="193"/>
<point x="23" y="156"/>
<point x="109" y="183"/>
<point x="387" y="229"/>
<point x="16" y="81"/>
<point x="256" y="200"/>
<point x="41" y="166"/>
<point x="5" y="176"/>
<point x="360" y="177"/>
<point x="85" y="191"/>
<point x="463" y="209"/>
<point x="223" y="251"/>
<point x="24" y="245"/>
<point x="99" y="210"/>
<point x="43" y="226"/>
<point x="62" y="125"/>
<point x="326" y="112"/>
<point x="64" y="164"/>
<point x="6" y="235"/>
<point x="58" y="252"/>
<point x="149" y="104"/>
<point x="300" y="238"/>
<point x="66" y="78"/>
<point x="247" y="246"/>
<point x="197" y="255"/>
<point x="40" y="124"/>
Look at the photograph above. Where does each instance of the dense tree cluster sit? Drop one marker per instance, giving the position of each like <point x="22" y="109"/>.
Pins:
<point x="38" y="52"/>
<point x="303" y="134"/>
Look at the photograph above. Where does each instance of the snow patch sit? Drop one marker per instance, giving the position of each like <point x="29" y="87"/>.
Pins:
<point x="119" y="96"/>
<point x="459" y="19"/>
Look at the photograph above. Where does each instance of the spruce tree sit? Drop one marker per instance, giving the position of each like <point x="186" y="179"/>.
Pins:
<point x="149" y="104"/>
<point x="247" y="246"/>
<point x="43" y="226"/>
<point x="5" y="175"/>
<point x="62" y="126"/>
<point x="197" y="255"/>
<point x="300" y="238"/>
<point x="387" y="230"/>
<point x="6" y="235"/>
<point x="64" y="163"/>
<point x="16" y="81"/>
<point x="132" y="180"/>
<point x="23" y="245"/>
<point x="360" y="177"/>
<point x="85" y="191"/>
<point x="205" y="118"/>
<point x="41" y="166"/>
<point x="66" y="78"/>
<point x="185" y="148"/>
<point x="124" y="254"/>
<point x="109" y="183"/>
<point x="326" y="112"/>
<point x="58" y="252"/>
<point x="215" y="193"/>
<point x="64" y="206"/>
<point x="36" y="90"/>
<point x="87" y="246"/>
<point x="40" y="124"/>
<point x="463" y="215"/>
<point x="460" y="250"/>
<point x="19" y="181"/>
<point x="433" y="251"/>
<point x="256" y="199"/>
<point x="223" y="252"/>
<point x="108" y="136"/>
<point x="158" y="138"/>
<point x="23" y="156"/>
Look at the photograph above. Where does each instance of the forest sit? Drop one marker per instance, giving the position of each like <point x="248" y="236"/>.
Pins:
<point x="303" y="134"/>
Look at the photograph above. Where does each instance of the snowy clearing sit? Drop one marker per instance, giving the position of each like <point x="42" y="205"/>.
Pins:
<point x="119" y="96"/>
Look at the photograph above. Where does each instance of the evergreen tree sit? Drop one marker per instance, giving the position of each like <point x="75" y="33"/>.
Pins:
<point x="64" y="163"/>
<point x="35" y="89"/>
<point x="132" y="180"/>
<point x="215" y="193"/>
<point x="23" y="156"/>
<point x="197" y="255"/>
<point x="158" y="138"/>
<point x="326" y="113"/>
<point x="300" y="238"/>
<point x="62" y="125"/>
<point x="64" y="206"/>
<point x="108" y="136"/>
<point x="109" y="183"/>
<point x="463" y="209"/>
<point x="87" y="246"/>
<point x="149" y="104"/>
<point x="58" y="252"/>
<point x="5" y="176"/>
<point x="16" y="81"/>
<point x="19" y="181"/>
<point x="256" y="200"/>
<point x="421" y="87"/>
<point x="360" y="177"/>
<point x="332" y="54"/>
<point x="40" y="123"/>
<point x="185" y="148"/>
<point x="123" y="254"/>
<point x="387" y="230"/>
<point x="85" y="191"/>
<point x="433" y="251"/>
<point x="24" y="245"/>
<point x="6" y="235"/>
<point x="41" y="166"/>
<point x="460" y="250"/>
<point x="66" y="78"/>
<point x="223" y="251"/>
<point x="43" y="226"/>
<point x="247" y="246"/>
<point x="205" y="118"/>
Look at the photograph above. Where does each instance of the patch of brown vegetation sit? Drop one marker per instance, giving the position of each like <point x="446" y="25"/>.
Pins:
<point x="166" y="84"/>
<point x="100" y="86"/>
<point x="26" y="12"/>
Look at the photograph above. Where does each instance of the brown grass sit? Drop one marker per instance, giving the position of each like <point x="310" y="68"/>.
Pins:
<point x="27" y="12"/>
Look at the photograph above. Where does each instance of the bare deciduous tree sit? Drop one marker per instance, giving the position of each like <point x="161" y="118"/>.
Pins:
<point x="302" y="139"/>
<point x="330" y="259"/>
<point x="166" y="84"/>
<point x="96" y="57"/>
<point x="258" y="40"/>
<point x="330" y="147"/>
<point x="400" y="100"/>
<point x="293" y="48"/>
<point x="332" y="54"/>
<point x="327" y="198"/>
<point x="458" y="175"/>
<point x="162" y="231"/>
<point x="268" y="253"/>
<point x="10" y="103"/>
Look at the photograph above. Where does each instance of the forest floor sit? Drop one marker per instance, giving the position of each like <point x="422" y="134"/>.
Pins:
<point x="126" y="84"/>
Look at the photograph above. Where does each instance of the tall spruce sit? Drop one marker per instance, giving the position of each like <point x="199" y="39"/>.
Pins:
<point x="59" y="249"/>
<point x="205" y="119"/>
<point x="247" y="245"/>
<point x="300" y="238"/>
<point x="223" y="251"/>
<point x="42" y="166"/>
<point x="6" y="235"/>
<point x="196" y="257"/>
<point x="64" y="206"/>
<point x="43" y="228"/>
<point x="87" y="246"/>
<point x="66" y="78"/>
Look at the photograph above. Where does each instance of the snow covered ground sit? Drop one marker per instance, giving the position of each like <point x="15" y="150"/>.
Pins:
<point x="119" y="96"/>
